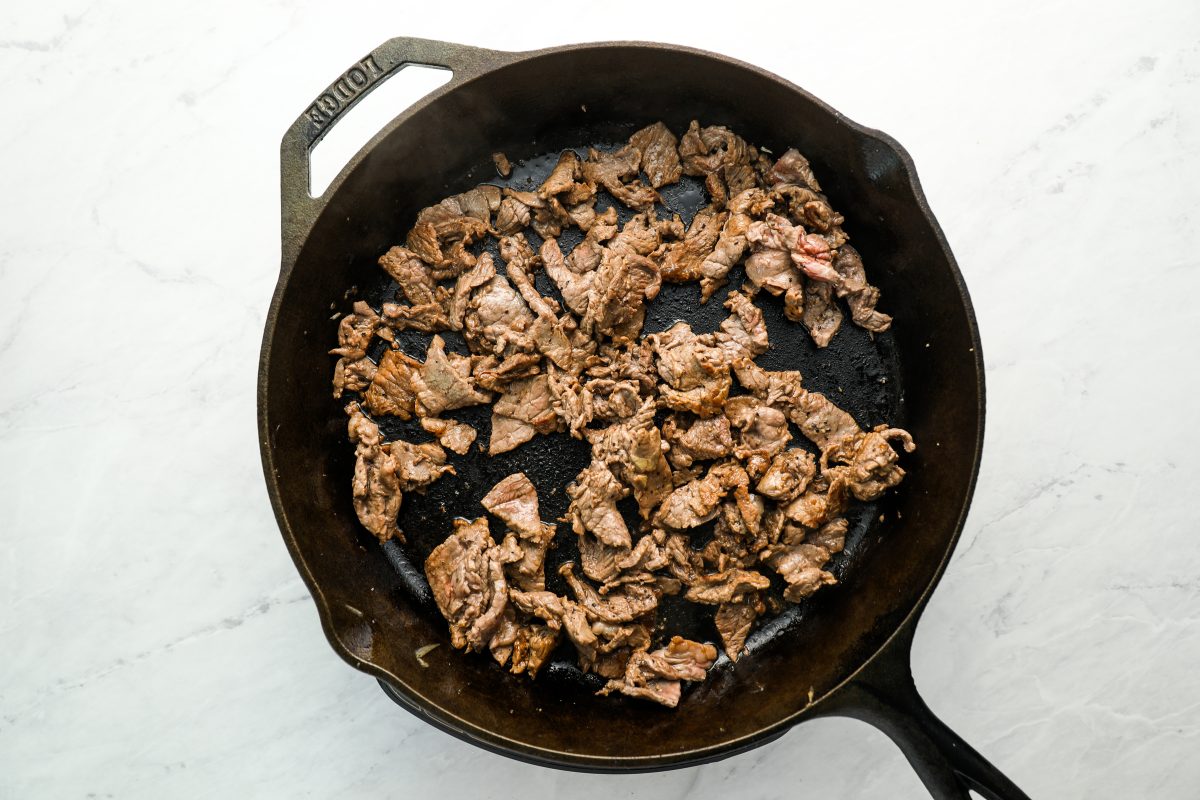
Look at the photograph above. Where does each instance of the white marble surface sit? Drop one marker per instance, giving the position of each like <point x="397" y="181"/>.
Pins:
<point x="154" y="638"/>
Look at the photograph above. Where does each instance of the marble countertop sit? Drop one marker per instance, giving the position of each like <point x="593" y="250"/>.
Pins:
<point x="155" y="640"/>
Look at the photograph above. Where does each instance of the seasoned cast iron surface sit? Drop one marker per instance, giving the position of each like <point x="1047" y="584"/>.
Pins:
<point x="858" y="371"/>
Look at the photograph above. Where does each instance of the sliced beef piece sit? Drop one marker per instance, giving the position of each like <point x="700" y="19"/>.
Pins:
<point x="594" y="494"/>
<point x="512" y="216"/>
<point x="701" y="440"/>
<point x="632" y="361"/>
<point x="696" y="501"/>
<point x="451" y="434"/>
<point x="633" y="450"/>
<point x="444" y="382"/>
<point x="726" y="587"/>
<point x="734" y="621"/>
<point x="820" y="314"/>
<point x="426" y="318"/>
<point x="503" y="167"/>
<point x="520" y="262"/>
<point x="860" y="295"/>
<point x="617" y="304"/>
<point x="614" y="172"/>
<point x="801" y="562"/>
<point x="639" y="564"/>
<point x="825" y="499"/>
<point x="465" y="286"/>
<point x="683" y="259"/>
<point x="376" y="487"/>
<point x="695" y="371"/>
<point x="762" y="432"/>
<point x="788" y="476"/>
<point x="576" y="287"/>
<point x="624" y="605"/>
<point x="616" y="644"/>
<point x="442" y="232"/>
<point x="659" y="154"/>
<point x="743" y="334"/>
<point x="744" y="208"/>
<point x="599" y="561"/>
<point x="514" y="500"/>
<point x="522" y="411"/>
<point x="614" y="400"/>
<point x="466" y="574"/>
<point x="497" y="319"/>
<point x="571" y="400"/>
<point x="811" y="210"/>
<point x="822" y="422"/>
<point x="493" y="374"/>
<point x="656" y="675"/>
<point x="793" y="168"/>
<point x="393" y="391"/>
<point x="524" y="646"/>
<point x="418" y="465"/>
<point x="641" y="236"/>
<point x="356" y="330"/>
<point x="586" y="255"/>
<point x="870" y="460"/>
<point x="352" y="375"/>
<point x="416" y="282"/>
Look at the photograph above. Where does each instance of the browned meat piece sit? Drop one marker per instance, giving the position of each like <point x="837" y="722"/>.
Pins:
<point x="525" y="647"/>
<point x="726" y="587"/>
<point x="452" y="435"/>
<point x="599" y="561"/>
<point x="411" y="273"/>
<point x="444" y="382"/>
<point x="743" y="334"/>
<point x="442" y="232"/>
<point x="859" y="294"/>
<point x="794" y="168"/>
<point x="823" y="500"/>
<point x="762" y="432"/>
<point x="466" y="574"/>
<point x="800" y="562"/>
<point x="831" y="535"/>
<point x="695" y="371"/>
<point x="744" y="208"/>
<point x="427" y="317"/>
<point x="614" y="399"/>
<point x="563" y="177"/>
<point x="356" y="330"/>
<point x="634" y="449"/>
<point x="511" y="217"/>
<point x="811" y="210"/>
<point x="515" y="502"/>
<point x="376" y="487"/>
<point x="821" y="421"/>
<point x="770" y="263"/>
<point x="633" y="361"/>
<point x="520" y="261"/>
<point x="820" y="315"/>
<point x="639" y="236"/>
<point x="871" y="460"/>
<point x="576" y="288"/>
<point x="571" y="400"/>
<point x="707" y="150"/>
<point x="492" y="374"/>
<point x="683" y="259"/>
<point x="696" y="501"/>
<point x="625" y="605"/>
<point x="594" y="494"/>
<point x="465" y="286"/>
<point x="703" y="440"/>
<point x="616" y="645"/>
<point x="659" y="156"/>
<point x="559" y="612"/>
<point x="352" y="376"/>
<point x="418" y="465"/>
<point x="639" y="564"/>
<point x="611" y="170"/>
<point x="522" y="411"/>
<point x="503" y="167"/>
<point x="497" y="319"/>
<point x="392" y="390"/>
<point x="788" y="476"/>
<point x="617" y="306"/>
<point x="656" y="675"/>
<point x="734" y="621"/>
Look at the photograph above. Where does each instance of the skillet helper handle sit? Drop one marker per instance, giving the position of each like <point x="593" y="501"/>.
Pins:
<point x="299" y="208"/>
<point x="885" y="696"/>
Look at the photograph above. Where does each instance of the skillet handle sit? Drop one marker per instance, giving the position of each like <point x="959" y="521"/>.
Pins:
<point x="299" y="209"/>
<point x="885" y="696"/>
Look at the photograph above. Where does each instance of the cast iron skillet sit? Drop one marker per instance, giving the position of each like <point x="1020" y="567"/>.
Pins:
<point x="845" y="652"/>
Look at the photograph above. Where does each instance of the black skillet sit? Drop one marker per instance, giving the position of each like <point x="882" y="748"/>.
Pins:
<point x="846" y="651"/>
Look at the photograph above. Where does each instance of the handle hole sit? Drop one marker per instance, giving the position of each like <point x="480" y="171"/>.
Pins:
<point x="356" y="127"/>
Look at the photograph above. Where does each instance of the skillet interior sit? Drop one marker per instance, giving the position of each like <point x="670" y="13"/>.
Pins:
<point x="571" y="98"/>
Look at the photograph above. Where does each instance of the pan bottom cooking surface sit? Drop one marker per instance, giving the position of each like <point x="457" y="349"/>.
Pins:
<point x="859" y="371"/>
